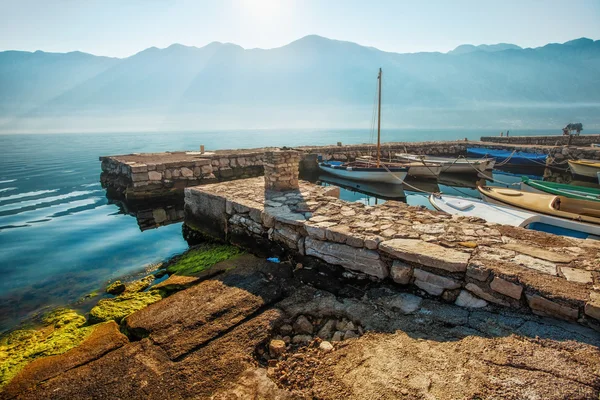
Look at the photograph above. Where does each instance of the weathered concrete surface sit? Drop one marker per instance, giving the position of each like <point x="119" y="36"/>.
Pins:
<point x="502" y="265"/>
<point x="412" y="348"/>
<point x="192" y="318"/>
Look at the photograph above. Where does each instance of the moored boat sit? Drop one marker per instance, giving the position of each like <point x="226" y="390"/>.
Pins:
<point x="560" y="189"/>
<point x="379" y="190"/>
<point x="548" y="204"/>
<point x="508" y="157"/>
<point x="589" y="168"/>
<point x="415" y="169"/>
<point x="364" y="172"/>
<point x="506" y="215"/>
<point x="451" y="165"/>
<point x="369" y="171"/>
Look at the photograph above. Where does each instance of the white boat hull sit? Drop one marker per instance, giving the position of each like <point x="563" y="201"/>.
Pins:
<point x="425" y="171"/>
<point x="584" y="170"/>
<point x="396" y="178"/>
<point x="453" y="165"/>
<point x="502" y="214"/>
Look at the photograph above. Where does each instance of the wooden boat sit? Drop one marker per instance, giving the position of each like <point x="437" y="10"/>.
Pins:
<point x="364" y="172"/>
<point x="368" y="171"/>
<point x="506" y="215"/>
<point x="415" y="169"/>
<point x="589" y="168"/>
<point x="379" y="190"/>
<point x="451" y="165"/>
<point x="560" y="189"/>
<point x="556" y="206"/>
<point x="509" y="157"/>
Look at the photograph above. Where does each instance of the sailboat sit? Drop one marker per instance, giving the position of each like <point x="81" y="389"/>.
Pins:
<point x="367" y="170"/>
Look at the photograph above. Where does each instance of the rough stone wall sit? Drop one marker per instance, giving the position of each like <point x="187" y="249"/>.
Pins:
<point x="465" y="261"/>
<point x="157" y="175"/>
<point x="551" y="140"/>
<point x="139" y="180"/>
<point x="281" y="170"/>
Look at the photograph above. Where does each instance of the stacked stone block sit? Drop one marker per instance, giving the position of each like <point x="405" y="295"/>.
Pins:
<point x="281" y="170"/>
<point x="470" y="263"/>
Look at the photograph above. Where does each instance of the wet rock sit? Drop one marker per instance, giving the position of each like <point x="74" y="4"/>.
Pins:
<point x="103" y="338"/>
<point x="139" y="285"/>
<point x="121" y="306"/>
<point x="276" y="348"/>
<point x="326" y="346"/>
<point x="303" y="326"/>
<point x="177" y="282"/>
<point x="338" y="336"/>
<point x="116" y="288"/>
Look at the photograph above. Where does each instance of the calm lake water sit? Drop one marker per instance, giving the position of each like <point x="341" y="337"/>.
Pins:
<point x="61" y="238"/>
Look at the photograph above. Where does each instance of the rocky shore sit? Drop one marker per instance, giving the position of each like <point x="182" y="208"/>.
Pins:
<point x="247" y="328"/>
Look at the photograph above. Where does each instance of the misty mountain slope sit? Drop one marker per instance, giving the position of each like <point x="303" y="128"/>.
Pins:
<point x="310" y="73"/>
<point x="29" y="79"/>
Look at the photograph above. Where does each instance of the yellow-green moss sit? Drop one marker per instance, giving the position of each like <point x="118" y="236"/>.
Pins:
<point x="121" y="306"/>
<point x="61" y="331"/>
<point x="201" y="258"/>
<point x="117" y="287"/>
<point x="139" y="285"/>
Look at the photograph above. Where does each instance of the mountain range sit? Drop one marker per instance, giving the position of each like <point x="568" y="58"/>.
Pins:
<point x="311" y="82"/>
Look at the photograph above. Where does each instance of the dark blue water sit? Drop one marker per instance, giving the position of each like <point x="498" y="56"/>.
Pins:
<point x="60" y="238"/>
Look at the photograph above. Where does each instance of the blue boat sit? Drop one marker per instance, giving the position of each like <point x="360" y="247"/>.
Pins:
<point x="511" y="158"/>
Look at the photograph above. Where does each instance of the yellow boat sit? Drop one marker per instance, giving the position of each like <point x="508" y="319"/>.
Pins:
<point x="556" y="206"/>
<point x="589" y="168"/>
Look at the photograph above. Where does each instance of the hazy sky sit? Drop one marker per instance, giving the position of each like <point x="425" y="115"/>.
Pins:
<point x="123" y="27"/>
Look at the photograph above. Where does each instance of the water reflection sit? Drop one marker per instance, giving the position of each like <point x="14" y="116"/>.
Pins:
<point x="152" y="214"/>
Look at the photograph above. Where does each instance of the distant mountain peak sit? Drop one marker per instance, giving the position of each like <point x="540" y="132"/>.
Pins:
<point x="488" y="48"/>
<point x="579" y="42"/>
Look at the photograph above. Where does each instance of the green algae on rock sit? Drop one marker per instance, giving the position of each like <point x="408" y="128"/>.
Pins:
<point x="202" y="257"/>
<point x="62" y="330"/>
<point x="117" y="287"/>
<point x="121" y="306"/>
<point x="139" y="285"/>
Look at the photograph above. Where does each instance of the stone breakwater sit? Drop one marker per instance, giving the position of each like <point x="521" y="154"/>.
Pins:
<point x="152" y="175"/>
<point x="550" y="140"/>
<point x="461" y="260"/>
<point x="142" y="176"/>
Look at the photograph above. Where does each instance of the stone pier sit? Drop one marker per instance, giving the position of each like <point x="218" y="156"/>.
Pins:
<point x="465" y="261"/>
<point x="152" y="175"/>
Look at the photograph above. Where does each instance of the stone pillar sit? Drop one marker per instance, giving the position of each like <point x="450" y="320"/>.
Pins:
<point x="281" y="170"/>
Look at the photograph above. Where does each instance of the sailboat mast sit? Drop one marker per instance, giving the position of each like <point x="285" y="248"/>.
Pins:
<point x="379" y="121"/>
